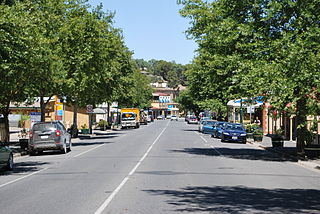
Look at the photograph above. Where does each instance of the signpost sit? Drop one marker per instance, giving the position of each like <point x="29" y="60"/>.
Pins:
<point x="90" y="112"/>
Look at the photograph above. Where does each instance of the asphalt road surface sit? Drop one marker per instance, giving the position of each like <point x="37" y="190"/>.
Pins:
<point x="163" y="167"/>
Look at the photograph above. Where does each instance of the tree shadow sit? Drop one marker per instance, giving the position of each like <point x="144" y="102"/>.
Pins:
<point x="23" y="167"/>
<point x="89" y="143"/>
<point x="245" y="154"/>
<point x="240" y="199"/>
<point x="88" y="137"/>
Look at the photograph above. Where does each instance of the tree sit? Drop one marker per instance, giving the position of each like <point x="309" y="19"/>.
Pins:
<point x="16" y="38"/>
<point x="252" y="47"/>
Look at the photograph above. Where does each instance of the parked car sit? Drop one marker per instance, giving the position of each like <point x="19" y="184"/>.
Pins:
<point x="160" y="117"/>
<point x="193" y="120"/>
<point x="174" y="117"/>
<point x="218" y="129"/>
<point x="168" y="116"/>
<point x="208" y="126"/>
<point x="49" y="136"/>
<point x="6" y="157"/>
<point x="150" y="119"/>
<point x="187" y="117"/>
<point x="234" y="132"/>
<point x="201" y="122"/>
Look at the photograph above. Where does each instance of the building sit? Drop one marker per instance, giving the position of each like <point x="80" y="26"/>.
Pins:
<point x="163" y="102"/>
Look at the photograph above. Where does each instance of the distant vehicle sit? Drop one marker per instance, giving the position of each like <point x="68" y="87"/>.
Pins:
<point x="143" y="117"/>
<point x="202" y="120"/>
<point x="150" y="119"/>
<point x="174" y="117"/>
<point x="6" y="157"/>
<point x="208" y="126"/>
<point x="193" y="120"/>
<point x="160" y="117"/>
<point x="168" y="116"/>
<point x="187" y="117"/>
<point x="49" y="136"/>
<point x="234" y="132"/>
<point x="218" y="129"/>
<point x="130" y="117"/>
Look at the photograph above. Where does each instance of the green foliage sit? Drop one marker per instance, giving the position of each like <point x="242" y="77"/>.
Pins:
<point x="250" y="48"/>
<point x="169" y="71"/>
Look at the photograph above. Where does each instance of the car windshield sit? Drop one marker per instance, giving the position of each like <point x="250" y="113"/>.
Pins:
<point x="234" y="127"/>
<point x="210" y="123"/>
<point x="44" y="127"/>
<point x="128" y="116"/>
<point x="220" y="125"/>
<point x="194" y="118"/>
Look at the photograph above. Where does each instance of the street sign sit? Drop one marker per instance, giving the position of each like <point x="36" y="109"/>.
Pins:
<point x="89" y="108"/>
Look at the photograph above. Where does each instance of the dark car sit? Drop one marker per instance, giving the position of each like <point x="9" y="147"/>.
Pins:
<point x="6" y="157"/>
<point x="218" y="129"/>
<point x="234" y="132"/>
<point x="49" y="136"/>
<point x="208" y="126"/>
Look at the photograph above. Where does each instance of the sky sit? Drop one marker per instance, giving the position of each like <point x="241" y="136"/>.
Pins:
<point x="152" y="29"/>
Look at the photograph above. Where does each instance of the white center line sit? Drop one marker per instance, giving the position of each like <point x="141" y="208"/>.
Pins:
<point x="124" y="181"/>
<point x="18" y="179"/>
<point x="88" y="151"/>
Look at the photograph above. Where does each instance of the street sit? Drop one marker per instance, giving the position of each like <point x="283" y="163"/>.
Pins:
<point x="163" y="167"/>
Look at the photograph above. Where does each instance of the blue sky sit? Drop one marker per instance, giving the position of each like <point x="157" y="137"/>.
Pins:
<point x="152" y="29"/>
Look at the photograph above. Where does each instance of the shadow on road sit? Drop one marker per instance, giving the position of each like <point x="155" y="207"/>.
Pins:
<point x="23" y="167"/>
<point x="239" y="199"/>
<point x="88" y="137"/>
<point x="89" y="143"/>
<point x="245" y="154"/>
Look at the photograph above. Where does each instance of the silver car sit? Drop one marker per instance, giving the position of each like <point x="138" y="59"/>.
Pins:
<point x="6" y="157"/>
<point x="49" y="136"/>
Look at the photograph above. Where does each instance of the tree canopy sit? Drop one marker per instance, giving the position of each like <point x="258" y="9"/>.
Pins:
<point x="256" y="47"/>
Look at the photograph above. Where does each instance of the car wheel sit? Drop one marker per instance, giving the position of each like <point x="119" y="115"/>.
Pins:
<point x="70" y="145"/>
<point x="32" y="152"/>
<point x="10" y="162"/>
<point x="64" y="148"/>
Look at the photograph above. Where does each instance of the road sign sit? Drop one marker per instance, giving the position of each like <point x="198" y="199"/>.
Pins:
<point x="89" y="108"/>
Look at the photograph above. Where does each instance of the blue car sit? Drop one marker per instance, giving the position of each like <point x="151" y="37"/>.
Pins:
<point x="208" y="126"/>
<point x="218" y="129"/>
<point x="234" y="132"/>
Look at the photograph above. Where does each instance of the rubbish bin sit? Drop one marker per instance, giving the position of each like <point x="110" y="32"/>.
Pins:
<point x="24" y="143"/>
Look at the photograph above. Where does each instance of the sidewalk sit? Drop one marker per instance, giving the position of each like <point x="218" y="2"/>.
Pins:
<point x="288" y="150"/>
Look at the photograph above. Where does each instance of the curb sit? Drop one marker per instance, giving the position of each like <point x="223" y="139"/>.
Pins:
<point x="302" y="162"/>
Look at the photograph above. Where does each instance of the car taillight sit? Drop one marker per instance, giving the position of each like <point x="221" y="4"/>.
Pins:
<point x="58" y="133"/>
<point x="30" y="134"/>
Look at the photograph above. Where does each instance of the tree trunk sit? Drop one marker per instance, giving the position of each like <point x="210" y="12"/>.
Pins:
<point x="5" y="133"/>
<point x="108" y="109"/>
<point x="74" y="127"/>
<point x="43" y="109"/>
<point x="301" y="125"/>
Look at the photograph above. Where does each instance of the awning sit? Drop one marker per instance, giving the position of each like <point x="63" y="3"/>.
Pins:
<point x="257" y="101"/>
<point x="99" y="111"/>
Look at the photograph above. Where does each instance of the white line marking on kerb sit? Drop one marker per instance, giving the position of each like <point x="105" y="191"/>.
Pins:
<point x="88" y="151"/>
<point x="204" y="139"/>
<point x="124" y="181"/>
<point x="18" y="179"/>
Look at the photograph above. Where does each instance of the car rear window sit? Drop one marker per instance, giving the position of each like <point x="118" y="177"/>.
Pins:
<point x="44" y="127"/>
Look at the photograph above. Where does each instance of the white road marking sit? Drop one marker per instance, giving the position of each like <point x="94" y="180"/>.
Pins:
<point x="88" y="151"/>
<point x="124" y="181"/>
<point x="205" y="140"/>
<point x="18" y="179"/>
